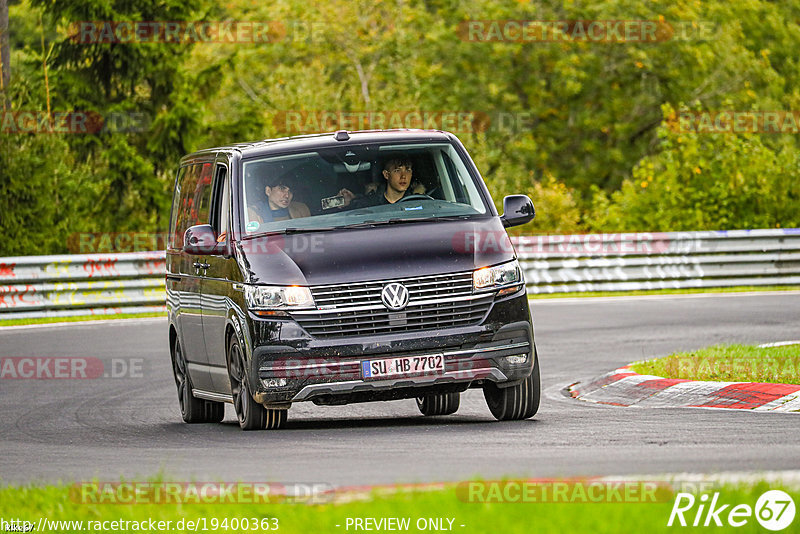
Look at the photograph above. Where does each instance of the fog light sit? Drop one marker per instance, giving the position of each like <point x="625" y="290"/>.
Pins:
<point x="517" y="358"/>
<point x="273" y="382"/>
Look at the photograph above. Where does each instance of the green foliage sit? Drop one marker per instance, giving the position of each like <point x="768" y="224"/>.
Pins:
<point x="705" y="182"/>
<point x="127" y="168"/>
<point x="509" y="505"/>
<point x="41" y="183"/>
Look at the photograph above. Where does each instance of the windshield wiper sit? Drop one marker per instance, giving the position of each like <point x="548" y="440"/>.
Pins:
<point x="365" y="224"/>
<point x="293" y="230"/>
<point x="369" y="224"/>
<point x="453" y="217"/>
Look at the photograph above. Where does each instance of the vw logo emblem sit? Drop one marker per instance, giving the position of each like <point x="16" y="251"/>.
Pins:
<point x="394" y="296"/>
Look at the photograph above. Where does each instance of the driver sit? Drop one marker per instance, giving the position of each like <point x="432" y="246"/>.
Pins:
<point x="398" y="173"/>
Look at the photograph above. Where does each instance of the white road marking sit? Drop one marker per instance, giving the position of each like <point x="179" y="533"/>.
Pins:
<point x="71" y="324"/>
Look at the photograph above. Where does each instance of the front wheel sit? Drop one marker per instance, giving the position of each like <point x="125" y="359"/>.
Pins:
<point x="251" y="415"/>
<point x="439" y="404"/>
<point x="515" y="402"/>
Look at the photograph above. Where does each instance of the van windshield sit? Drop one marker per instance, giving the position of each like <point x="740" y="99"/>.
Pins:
<point x="357" y="185"/>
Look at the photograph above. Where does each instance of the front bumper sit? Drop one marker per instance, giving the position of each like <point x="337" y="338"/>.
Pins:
<point x="291" y="366"/>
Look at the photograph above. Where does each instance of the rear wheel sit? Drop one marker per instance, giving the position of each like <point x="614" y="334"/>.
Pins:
<point x="193" y="410"/>
<point x="251" y="415"/>
<point x="515" y="402"/>
<point x="439" y="404"/>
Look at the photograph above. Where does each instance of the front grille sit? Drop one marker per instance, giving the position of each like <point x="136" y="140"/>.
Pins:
<point x="437" y="301"/>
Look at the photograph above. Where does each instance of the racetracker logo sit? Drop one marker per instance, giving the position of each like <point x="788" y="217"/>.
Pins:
<point x="72" y="122"/>
<point x="69" y="367"/>
<point x="582" y="31"/>
<point x="564" y="491"/>
<point x="774" y="510"/>
<point x="768" y="122"/>
<point x="599" y="244"/>
<point x="200" y="493"/>
<point x="107" y="242"/>
<point x="182" y="32"/>
<point x="460" y="122"/>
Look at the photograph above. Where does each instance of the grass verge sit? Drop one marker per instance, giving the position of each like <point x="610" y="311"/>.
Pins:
<point x="78" y="318"/>
<point x="729" y="363"/>
<point x="446" y="507"/>
<point x="686" y="291"/>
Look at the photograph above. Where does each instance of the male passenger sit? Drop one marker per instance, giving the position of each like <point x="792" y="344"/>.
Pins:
<point x="279" y="205"/>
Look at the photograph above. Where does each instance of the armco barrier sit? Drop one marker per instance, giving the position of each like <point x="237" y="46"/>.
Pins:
<point x="641" y="261"/>
<point x="92" y="284"/>
<point x="102" y="284"/>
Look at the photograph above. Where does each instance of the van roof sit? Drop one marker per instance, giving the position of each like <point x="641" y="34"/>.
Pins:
<point x="323" y="140"/>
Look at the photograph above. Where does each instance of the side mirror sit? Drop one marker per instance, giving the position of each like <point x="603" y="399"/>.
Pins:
<point x="201" y="239"/>
<point x="517" y="210"/>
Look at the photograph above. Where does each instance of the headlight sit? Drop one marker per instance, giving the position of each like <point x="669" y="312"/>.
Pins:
<point x="277" y="297"/>
<point x="508" y="274"/>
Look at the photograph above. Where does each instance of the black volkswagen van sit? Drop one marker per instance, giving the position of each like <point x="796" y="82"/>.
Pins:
<point x="345" y="267"/>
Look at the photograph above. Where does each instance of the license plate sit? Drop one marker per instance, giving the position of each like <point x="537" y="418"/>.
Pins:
<point x="403" y="366"/>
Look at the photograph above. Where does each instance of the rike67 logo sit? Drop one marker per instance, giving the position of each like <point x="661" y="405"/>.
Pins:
<point x="774" y="510"/>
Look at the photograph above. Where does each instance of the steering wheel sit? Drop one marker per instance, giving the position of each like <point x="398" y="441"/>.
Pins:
<point x="416" y="197"/>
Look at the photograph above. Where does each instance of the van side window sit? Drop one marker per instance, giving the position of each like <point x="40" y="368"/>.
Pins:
<point x="194" y="206"/>
<point x="219" y="208"/>
<point x="176" y="203"/>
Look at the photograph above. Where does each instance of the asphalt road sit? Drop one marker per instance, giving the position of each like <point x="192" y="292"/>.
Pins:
<point x="73" y="430"/>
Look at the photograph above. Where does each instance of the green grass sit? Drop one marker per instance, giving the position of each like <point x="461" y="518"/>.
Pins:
<point x="56" y="503"/>
<point x="729" y="363"/>
<point x="78" y="318"/>
<point x="688" y="291"/>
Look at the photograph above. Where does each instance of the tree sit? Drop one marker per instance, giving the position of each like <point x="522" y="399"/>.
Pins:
<point x="5" y="54"/>
<point x="701" y="181"/>
<point x="143" y="92"/>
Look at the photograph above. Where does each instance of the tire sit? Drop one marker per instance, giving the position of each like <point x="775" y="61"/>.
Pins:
<point x="439" y="404"/>
<point x="193" y="410"/>
<point x="251" y="415"/>
<point x="516" y="402"/>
